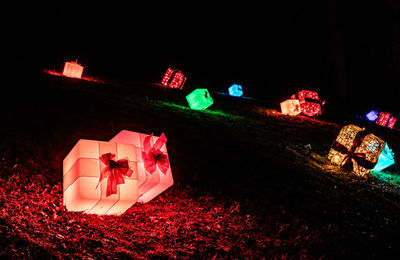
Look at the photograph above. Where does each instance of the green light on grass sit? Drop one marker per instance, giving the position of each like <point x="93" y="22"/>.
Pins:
<point x="388" y="177"/>
<point x="199" y="99"/>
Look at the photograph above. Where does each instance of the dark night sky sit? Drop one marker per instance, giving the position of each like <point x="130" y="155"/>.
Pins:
<point x="345" y="50"/>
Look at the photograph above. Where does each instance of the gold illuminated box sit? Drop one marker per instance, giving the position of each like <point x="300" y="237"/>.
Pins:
<point x="356" y="150"/>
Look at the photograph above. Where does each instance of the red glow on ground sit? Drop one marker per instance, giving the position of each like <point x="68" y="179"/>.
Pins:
<point x="272" y="113"/>
<point x="175" y="225"/>
<point x="55" y="73"/>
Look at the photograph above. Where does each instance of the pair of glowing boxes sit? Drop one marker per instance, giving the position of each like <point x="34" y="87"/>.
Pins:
<point x="304" y="102"/>
<point x="358" y="151"/>
<point x="382" y="118"/>
<point x="107" y="178"/>
<point x="73" y="70"/>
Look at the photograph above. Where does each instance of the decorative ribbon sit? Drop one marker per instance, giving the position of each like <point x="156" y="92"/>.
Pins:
<point x="172" y="76"/>
<point x="316" y="101"/>
<point x="153" y="156"/>
<point x="115" y="171"/>
<point x="347" y="162"/>
<point x="310" y="100"/>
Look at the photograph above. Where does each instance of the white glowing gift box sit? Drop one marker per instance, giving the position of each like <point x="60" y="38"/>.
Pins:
<point x="154" y="170"/>
<point x="72" y="69"/>
<point x="100" y="177"/>
<point x="290" y="107"/>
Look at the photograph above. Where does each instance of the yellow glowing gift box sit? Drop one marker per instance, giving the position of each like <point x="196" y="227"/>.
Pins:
<point x="100" y="177"/>
<point x="356" y="150"/>
<point x="154" y="177"/>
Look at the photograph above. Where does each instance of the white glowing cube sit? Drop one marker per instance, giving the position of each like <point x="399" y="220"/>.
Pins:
<point x="73" y="70"/>
<point x="291" y="107"/>
<point x="150" y="185"/>
<point x="81" y="175"/>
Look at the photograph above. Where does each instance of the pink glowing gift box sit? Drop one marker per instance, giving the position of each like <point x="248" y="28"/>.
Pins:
<point x="73" y="69"/>
<point x="386" y="119"/>
<point x="154" y="171"/>
<point x="100" y="177"/>
<point x="173" y="79"/>
<point x="290" y="107"/>
<point x="310" y="104"/>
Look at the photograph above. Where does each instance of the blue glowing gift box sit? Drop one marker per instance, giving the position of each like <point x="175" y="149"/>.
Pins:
<point x="235" y="90"/>
<point x="199" y="99"/>
<point x="386" y="159"/>
<point x="372" y="115"/>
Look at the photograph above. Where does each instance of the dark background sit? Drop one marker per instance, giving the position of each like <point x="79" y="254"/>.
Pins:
<point x="349" y="51"/>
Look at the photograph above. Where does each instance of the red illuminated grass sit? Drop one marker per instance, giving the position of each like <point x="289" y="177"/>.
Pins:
<point x="177" y="224"/>
<point x="55" y="73"/>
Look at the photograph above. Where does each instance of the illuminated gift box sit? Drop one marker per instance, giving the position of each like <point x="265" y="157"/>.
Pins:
<point x="173" y="79"/>
<point x="199" y="99"/>
<point x="386" y="159"/>
<point x="235" y="90"/>
<point x="356" y="150"/>
<point x="310" y="104"/>
<point x="154" y="171"/>
<point x="290" y="107"/>
<point x="386" y="119"/>
<point x="100" y="177"/>
<point x="73" y="69"/>
<point x="372" y="115"/>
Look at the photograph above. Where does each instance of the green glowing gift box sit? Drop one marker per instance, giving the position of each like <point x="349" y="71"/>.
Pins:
<point x="199" y="99"/>
<point x="386" y="159"/>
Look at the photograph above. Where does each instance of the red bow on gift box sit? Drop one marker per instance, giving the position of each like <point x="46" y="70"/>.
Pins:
<point x="153" y="156"/>
<point x="359" y="158"/>
<point x="115" y="171"/>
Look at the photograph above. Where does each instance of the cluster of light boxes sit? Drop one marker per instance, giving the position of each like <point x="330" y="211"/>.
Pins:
<point x="304" y="102"/>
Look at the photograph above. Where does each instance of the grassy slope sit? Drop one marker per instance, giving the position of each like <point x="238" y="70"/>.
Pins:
<point x="246" y="186"/>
